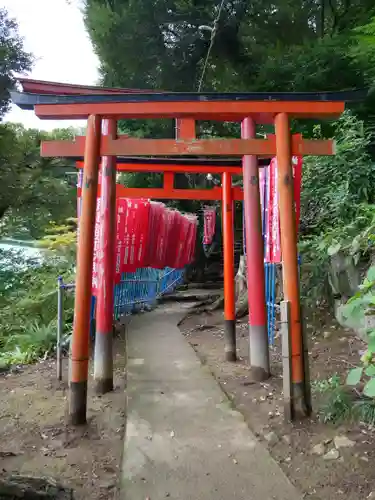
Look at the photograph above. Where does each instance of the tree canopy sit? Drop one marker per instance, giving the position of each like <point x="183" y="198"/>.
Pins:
<point x="13" y="58"/>
<point x="34" y="191"/>
<point x="259" y="45"/>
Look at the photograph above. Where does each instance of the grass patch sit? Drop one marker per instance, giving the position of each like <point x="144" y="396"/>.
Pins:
<point x="339" y="403"/>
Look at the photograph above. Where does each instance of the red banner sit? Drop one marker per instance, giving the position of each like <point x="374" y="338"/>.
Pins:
<point x="271" y="209"/>
<point x="181" y="243"/>
<point x="209" y="215"/>
<point x="274" y="218"/>
<point x="142" y="235"/>
<point x="154" y="224"/>
<point x="95" y="263"/>
<point x="129" y="264"/>
<point x="188" y="256"/>
<point x="173" y="238"/>
<point x="121" y="208"/>
<point x="162" y="235"/>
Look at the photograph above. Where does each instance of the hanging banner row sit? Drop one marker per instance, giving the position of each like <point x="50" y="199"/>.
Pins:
<point x="269" y="197"/>
<point x="148" y="234"/>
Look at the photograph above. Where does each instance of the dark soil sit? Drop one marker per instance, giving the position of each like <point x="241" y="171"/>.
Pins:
<point x="332" y="350"/>
<point x="36" y="441"/>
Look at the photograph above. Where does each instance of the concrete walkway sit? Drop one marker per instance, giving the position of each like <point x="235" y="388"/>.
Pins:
<point x="183" y="439"/>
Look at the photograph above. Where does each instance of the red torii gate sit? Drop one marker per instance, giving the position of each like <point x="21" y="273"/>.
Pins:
<point x="109" y="105"/>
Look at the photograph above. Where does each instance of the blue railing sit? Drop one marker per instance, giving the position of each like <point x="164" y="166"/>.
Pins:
<point x="136" y="291"/>
<point x="141" y="289"/>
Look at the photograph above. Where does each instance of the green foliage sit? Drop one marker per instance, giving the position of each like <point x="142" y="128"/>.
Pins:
<point x="322" y="386"/>
<point x="36" y="341"/>
<point x="308" y="44"/>
<point x="14" y="59"/>
<point x="337" y="406"/>
<point x="354" y="376"/>
<point x="35" y="194"/>
<point x="364" y="48"/>
<point x="363" y="301"/>
<point x="61" y="238"/>
<point x="337" y="205"/>
<point x="364" y="411"/>
<point x="28" y="306"/>
<point x="322" y="60"/>
<point x="34" y="191"/>
<point x="336" y="403"/>
<point x="341" y="182"/>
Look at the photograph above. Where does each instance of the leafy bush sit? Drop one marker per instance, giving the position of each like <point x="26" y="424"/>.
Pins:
<point x="28" y="308"/>
<point x="37" y="341"/>
<point x="336" y="403"/>
<point x="363" y="300"/>
<point x="337" y="206"/>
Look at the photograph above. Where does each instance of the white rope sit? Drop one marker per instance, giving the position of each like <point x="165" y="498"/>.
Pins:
<point x="213" y="34"/>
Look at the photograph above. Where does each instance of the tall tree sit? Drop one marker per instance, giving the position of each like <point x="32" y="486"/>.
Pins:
<point x="160" y="44"/>
<point x="13" y="58"/>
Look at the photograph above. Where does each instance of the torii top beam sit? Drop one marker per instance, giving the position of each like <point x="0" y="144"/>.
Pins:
<point x="32" y="86"/>
<point x="261" y="106"/>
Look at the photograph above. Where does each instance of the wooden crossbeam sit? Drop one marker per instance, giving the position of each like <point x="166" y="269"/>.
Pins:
<point x="196" y="147"/>
<point x="261" y="111"/>
<point x="169" y="193"/>
<point x="170" y="167"/>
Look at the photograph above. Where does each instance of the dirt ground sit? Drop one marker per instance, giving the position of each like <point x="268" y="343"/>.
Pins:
<point x="350" y="475"/>
<point x="35" y="439"/>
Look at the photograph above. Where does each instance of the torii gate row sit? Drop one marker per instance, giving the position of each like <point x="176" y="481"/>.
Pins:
<point x="75" y="149"/>
<point x="108" y="106"/>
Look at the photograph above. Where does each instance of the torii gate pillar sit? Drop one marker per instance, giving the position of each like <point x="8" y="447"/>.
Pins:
<point x="258" y="341"/>
<point x="288" y="235"/>
<point x="229" y="293"/>
<point x="79" y="361"/>
<point x="103" y="357"/>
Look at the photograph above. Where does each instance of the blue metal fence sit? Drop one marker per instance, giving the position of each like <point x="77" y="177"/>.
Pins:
<point x="141" y="289"/>
<point x="136" y="291"/>
<point x="270" y="288"/>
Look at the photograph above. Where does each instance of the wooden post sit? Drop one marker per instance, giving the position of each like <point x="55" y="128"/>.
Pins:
<point x="60" y="326"/>
<point x="81" y="330"/>
<point x="306" y="366"/>
<point x="229" y="293"/>
<point x="258" y="340"/>
<point x="290" y="257"/>
<point x="287" y="365"/>
<point x="103" y="358"/>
